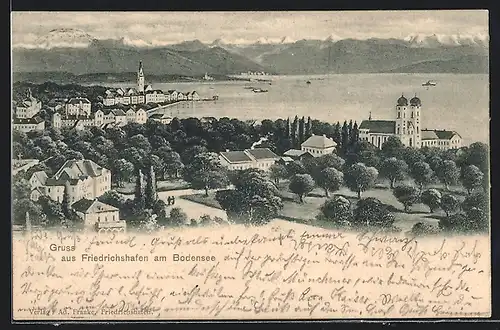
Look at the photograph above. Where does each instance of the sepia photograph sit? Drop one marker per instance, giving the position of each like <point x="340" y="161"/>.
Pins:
<point x="250" y="165"/>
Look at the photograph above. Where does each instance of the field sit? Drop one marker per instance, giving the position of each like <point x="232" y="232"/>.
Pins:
<point x="306" y="212"/>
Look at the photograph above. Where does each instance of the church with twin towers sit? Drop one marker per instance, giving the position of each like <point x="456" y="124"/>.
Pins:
<point x="407" y="126"/>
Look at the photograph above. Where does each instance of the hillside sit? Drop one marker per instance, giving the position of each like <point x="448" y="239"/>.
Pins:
<point x="116" y="58"/>
<point x="194" y="58"/>
<point x="466" y="64"/>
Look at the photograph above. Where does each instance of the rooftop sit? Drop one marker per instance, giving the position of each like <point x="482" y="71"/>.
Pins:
<point x="262" y="153"/>
<point x="236" y="156"/>
<point x="434" y="134"/>
<point x="294" y="153"/>
<point x="379" y="126"/>
<point x="33" y="120"/>
<point x="78" y="100"/>
<point x="92" y="206"/>
<point x="319" y="141"/>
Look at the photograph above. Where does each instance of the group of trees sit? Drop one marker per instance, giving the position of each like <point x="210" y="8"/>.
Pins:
<point x="398" y="165"/>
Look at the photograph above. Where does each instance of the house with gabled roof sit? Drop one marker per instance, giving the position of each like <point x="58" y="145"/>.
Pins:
<point x="99" y="216"/>
<point x="81" y="178"/>
<point x="318" y="145"/>
<point x="261" y="158"/>
<point x="441" y="139"/>
<point x="78" y="106"/>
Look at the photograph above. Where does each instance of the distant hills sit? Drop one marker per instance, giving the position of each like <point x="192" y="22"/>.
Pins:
<point x="73" y="53"/>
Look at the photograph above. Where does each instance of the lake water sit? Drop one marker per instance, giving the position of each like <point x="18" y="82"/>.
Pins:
<point x="459" y="102"/>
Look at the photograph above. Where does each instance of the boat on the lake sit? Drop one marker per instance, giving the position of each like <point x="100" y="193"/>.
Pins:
<point x="429" y="83"/>
<point x="259" y="90"/>
<point x="308" y="82"/>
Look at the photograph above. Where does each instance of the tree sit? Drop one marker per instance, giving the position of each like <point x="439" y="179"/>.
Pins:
<point x="278" y="172"/>
<point x="407" y="195"/>
<point x="294" y="133"/>
<point x="150" y="195"/>
<point x="448" y="173"/>
<point x="160" y="209"/>
<point x="431" y="198"/>
<point x="330" y="179"/>
<point x="308" y="130"/>
<point x="178" y="217"/>
<point x="422" y="173"/>
<point x="113" y="198"/>
<point x="301" y="184"/>
<point x="411" y="155"/>
<point x="295" y="167"/>
<point x="392" y="147"/>
<point x="140" y="201"/>
<point x="123" y="170"/>
<point x="393" y="169"/>
<point x="354" y="137"/>
<point x="337" y="210"/>
<point x="372" y="212"/>
<point x="344" y="138"/>
<point x="329" y="160"/>
<point x="359" y="178"/>
<point x="449" y="204"/>
<point x="471" y="177"/>
<point x="301" y="130"/>
<point x="65" y="204"/>
<point x="205" y="172"/>
<point x="476" y="200"/>
<point x="255" y="199"/>
<point x="287" y="130"/>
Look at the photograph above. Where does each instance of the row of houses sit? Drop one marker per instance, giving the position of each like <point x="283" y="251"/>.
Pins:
<point x="83" y="181"/>
<point x="150" y="95"/>
<point x="100" y="118"/>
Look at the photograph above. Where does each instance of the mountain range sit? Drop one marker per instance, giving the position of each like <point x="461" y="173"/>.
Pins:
<point x="76" y="53"/>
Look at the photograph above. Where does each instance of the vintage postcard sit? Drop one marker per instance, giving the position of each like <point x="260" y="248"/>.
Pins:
<point x="250" y="165"/>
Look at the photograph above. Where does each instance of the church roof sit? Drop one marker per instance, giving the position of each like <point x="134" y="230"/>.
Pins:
<point x="319" y="141"/>
<point x="415" y="101"/>
<point x="379" y="126"/>
<point x="402" y="101"/>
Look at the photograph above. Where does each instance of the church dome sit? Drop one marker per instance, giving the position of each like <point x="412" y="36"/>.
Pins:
<point x="415" y="101"/>
<point x="402" y="101"/>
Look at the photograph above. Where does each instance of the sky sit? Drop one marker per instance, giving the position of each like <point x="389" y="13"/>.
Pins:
<point x="246" y="27"/>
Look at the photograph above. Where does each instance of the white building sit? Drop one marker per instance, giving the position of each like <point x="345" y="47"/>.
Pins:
<point x="78" y="106"/>
<point x="83" y="178"/>
<point x="29" y="107"/>
<point x="35" y="123"/>
<point x="441" y="139"/>
<point x="261" y="158"/>
<point x="406" y="127"/>
<point x="161" y="117"/>
<point x="99" y="216"/>
<point x="318" y="145"/>
<point x="139" y="95"/>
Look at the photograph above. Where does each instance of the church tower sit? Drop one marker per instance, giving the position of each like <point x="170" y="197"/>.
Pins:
<point x="415" y="108"/>
<point x="408" y="121"/>
<point x="402" y="117"/>
<point x="140" y="79"/>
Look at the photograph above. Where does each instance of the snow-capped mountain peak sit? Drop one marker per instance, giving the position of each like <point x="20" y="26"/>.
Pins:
<point x="61" y="38"/>
<point x="436" y="40"/>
